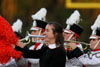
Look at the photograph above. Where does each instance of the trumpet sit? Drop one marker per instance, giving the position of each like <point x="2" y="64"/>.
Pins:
<point x="76" y="42"/>
<point x="27" y="38"/>
<point x="36" y="36"/>
<point x="82" y="43"/>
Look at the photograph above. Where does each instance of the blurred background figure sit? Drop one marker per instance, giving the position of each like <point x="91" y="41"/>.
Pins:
<point x="73" y="30"/>
<point x="17" y="28"/>
<point x="38" y="28"/>
<point x="72" y="33"/>
<point x="92" y="58"/>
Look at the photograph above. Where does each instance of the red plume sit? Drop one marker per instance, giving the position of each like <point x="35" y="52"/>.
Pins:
<point x="7" y="37"/>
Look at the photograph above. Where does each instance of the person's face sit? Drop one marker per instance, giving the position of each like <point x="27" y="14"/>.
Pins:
<point x="50" y="36"/>
<point x="68" y="35"/>
<point x="36" y="32"/>
<point x="93" y="42"/>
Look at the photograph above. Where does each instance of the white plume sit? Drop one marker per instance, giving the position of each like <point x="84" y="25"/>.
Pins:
<point x="40" y="15"/>
<point x="34" y="25"/>
<point x="17" y="26"/>
<point x="73" y="19"/>
<point x="96" y="25"/>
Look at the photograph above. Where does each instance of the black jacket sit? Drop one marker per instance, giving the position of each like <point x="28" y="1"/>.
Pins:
<point x="48" y="57"/>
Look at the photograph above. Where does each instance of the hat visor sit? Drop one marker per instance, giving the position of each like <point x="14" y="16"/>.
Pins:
<point x="66" y="31"/>
<point x="34" y="29"/>
<point x="92" y="37"/>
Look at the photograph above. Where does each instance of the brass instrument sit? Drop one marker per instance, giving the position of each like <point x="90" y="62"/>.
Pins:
<point x="82" y="43"/>
<point x="36" y="36"/>
<point x="89" y="51"/>
<point x="27" y="38"/>
<point x="76" y="42"/>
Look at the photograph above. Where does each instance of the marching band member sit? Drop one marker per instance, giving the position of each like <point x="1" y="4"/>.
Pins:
<point x="72" y="33"/>
<point x="17" y="28"/>
<point x="91" y="59"/>
<point x="53" y="54"/>
<point x="38" y="45"/>
<point x="38" y="28"/>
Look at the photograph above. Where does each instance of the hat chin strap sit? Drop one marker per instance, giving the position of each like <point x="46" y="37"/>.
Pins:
<point x="96" y="44"/>
<point x="71" y="36"/>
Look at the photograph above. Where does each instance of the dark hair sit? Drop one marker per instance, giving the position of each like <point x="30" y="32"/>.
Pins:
<point x="59" y="30"/>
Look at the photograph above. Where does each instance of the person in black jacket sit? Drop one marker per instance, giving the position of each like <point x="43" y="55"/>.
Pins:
<point x="53" y="54"/>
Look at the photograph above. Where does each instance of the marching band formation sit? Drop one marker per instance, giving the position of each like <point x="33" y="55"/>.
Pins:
<point x="48" y="44"/>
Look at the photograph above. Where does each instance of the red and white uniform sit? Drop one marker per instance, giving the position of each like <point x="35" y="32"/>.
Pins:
<point x="35" y="62"/>
<point x="92" y="60"/>
<point x="74" y="62"/>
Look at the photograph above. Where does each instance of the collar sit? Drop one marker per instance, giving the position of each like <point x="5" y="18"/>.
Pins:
<point x="52" y="46"/>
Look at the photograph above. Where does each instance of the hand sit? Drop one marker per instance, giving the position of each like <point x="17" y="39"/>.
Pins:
<point x="72" y="45"/>
<point x="21" y="44"/>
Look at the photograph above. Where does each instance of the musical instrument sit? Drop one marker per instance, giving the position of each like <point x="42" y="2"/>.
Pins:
<point x="27" y="38"/>
<point x="82" y="43"/>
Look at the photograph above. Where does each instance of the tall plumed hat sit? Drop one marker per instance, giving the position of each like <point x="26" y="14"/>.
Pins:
<point x="72" y="23"/>
<point x="95" y="28"/>
<point x="17" y="28"/>
<point x="39" y="19"/>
